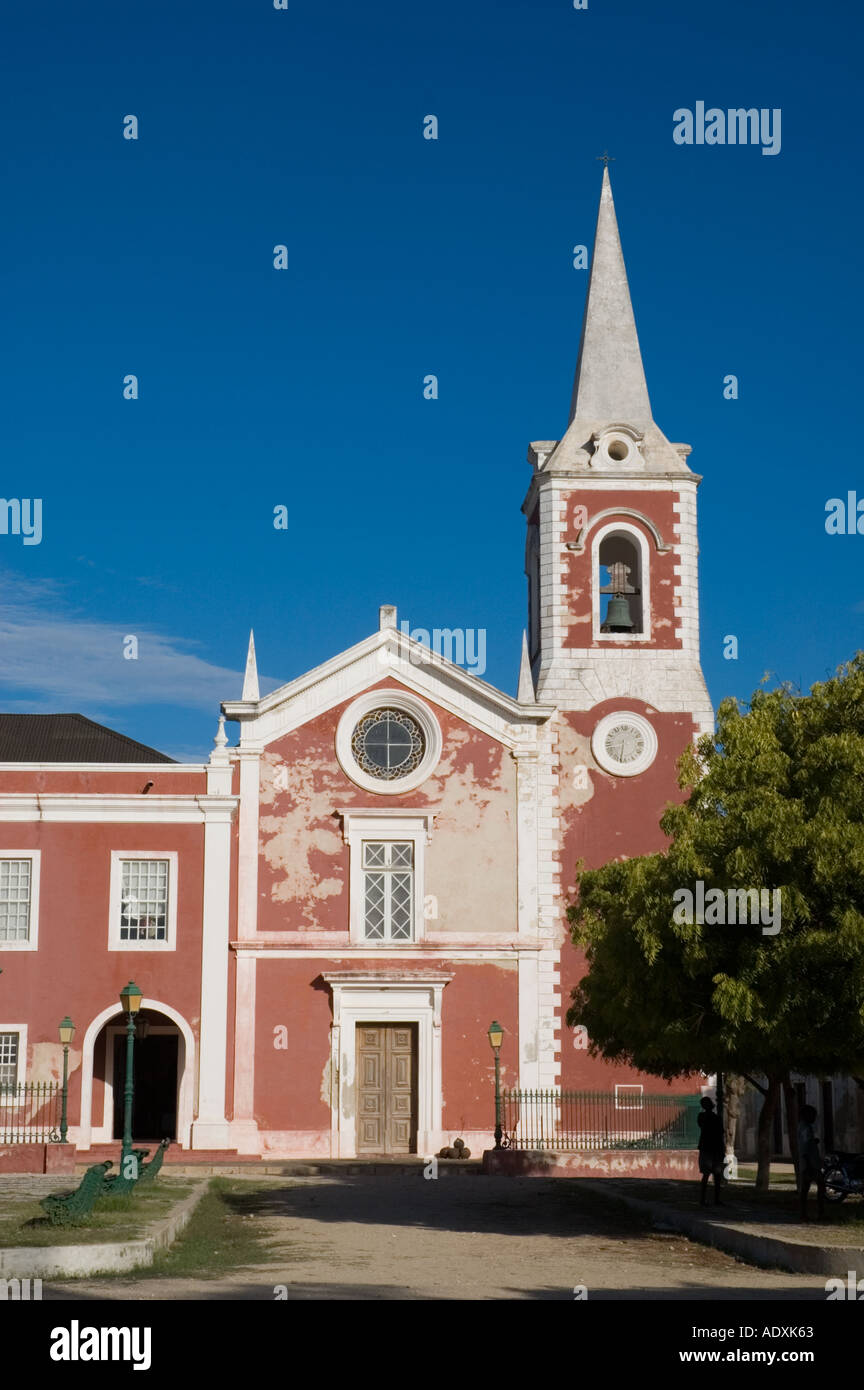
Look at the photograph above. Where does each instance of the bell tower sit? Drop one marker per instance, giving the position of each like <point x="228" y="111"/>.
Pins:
<point x="613" y="642"/>
<point x="611" y="554"/>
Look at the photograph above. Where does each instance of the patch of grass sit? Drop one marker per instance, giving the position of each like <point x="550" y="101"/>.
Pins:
<point x="23" y="1222"/>
<point x="217" y="1240"/>
<point x="746" y="1173"/>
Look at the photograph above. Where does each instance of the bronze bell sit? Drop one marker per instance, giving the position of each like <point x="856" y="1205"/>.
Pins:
<point x="618" y="615"/>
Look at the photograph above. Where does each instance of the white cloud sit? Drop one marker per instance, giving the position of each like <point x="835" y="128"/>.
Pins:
<point x="64" y="662"/>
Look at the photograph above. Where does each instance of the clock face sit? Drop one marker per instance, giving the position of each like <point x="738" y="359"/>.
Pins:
<point x="624" y="744"/>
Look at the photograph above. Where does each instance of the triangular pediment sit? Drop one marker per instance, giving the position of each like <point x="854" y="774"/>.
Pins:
<point x="388" y="654"/>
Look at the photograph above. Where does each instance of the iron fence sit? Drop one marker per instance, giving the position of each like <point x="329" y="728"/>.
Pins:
<point x="30" y="1112"/>
<point x="575" y="1120"/>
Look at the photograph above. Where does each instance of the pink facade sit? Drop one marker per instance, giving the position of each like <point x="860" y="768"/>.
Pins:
<point x="327" y="916"/>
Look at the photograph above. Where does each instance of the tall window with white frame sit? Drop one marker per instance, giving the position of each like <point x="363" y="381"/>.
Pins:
<point x="144" y="900"/>
<point x="15" y="890"/>
<point x="9" y="1045"/>
<point x="388" y="890"/>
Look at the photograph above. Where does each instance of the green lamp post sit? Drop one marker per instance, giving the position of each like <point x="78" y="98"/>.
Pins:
<point x="130" y="1003"/>
<point x="496" y="1037"/>
<point x="67" y="1033"/>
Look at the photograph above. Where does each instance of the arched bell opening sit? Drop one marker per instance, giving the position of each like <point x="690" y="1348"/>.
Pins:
<point x="619" y="582"/>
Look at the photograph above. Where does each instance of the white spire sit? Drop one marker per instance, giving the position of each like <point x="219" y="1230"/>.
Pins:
<point x="525" y="694"/>
<point x="610" y="380"/>
<point x="250" y="679"/>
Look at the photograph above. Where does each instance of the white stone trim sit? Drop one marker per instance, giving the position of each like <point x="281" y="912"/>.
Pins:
<point x="598" y="746"/>
<point x="529" y="1022"/>
<point x="395" y="824"/>
<point x="83" y="1134"/>
<point x="387" y="654"/>
<point x="636" y="1086"/>
<point x="579" y="543"/>
<point x="247" y="842"/>
<point x="118" y="810"/>
<point x="35" y="857"/>
<point x="211" y="1129"/>
<point x="397" y="998"/>
<point x="401" y="700"/>
<point x="244" y="1127"/>
<point x="340" y="950"/>
<point x="103" y="767"/>
<point x="118" y="857"/>
<point x="527" y="800"/>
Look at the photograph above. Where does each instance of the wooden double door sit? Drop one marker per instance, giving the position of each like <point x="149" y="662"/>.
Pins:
<point x="386" y="1088"/>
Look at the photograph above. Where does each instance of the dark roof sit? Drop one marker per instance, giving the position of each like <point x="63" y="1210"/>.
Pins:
<point x="68" y="738"/>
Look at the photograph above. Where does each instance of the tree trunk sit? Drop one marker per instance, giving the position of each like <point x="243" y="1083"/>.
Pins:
<point x="733" y="1090"/>
<point x="764" y="1137"/>
<point x="791" y="1096"/>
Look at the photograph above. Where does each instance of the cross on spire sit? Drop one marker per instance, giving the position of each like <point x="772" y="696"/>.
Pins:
<point x="607" y="158"/>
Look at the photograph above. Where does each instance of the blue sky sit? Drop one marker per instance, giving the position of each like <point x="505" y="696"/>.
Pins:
<point x="304" y="387"/>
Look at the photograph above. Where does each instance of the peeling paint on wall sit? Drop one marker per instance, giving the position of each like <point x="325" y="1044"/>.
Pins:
<point x="327" y="1082"/>
<point x="299" y="834"/>
<point x="46" y="1062"/>
<point x="574" y="752"/>
<point x="470" y="861"/>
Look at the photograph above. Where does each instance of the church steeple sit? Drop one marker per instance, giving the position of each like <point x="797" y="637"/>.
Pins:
<point x="611" y="553"/>
<point x="610" y="379"/>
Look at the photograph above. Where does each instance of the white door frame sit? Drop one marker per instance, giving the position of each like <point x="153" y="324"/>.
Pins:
<point x="86" y="1133"/>
<point x="368" y="997"/>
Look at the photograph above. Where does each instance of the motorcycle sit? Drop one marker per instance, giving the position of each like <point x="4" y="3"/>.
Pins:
<point x="843" y="1174"/>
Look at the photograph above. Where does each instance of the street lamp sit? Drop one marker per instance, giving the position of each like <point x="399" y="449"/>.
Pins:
<point x="67" y="1033"/>
<point x="130" y="1003"/>
<point x="496" y="1037"/>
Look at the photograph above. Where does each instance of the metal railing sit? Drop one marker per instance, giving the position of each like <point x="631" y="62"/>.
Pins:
<point x="30" y="1113"/>
<point x="574" y="1120"/>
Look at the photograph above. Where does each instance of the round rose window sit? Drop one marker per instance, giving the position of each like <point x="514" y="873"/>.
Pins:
<point x="388" y="744"/>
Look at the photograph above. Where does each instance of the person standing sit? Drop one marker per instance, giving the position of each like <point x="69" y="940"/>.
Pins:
<point x="809" y="1162"/>
<point x="712" y="1150"/>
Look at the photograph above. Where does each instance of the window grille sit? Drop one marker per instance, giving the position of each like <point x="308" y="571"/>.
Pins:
<point x="8" y="1059"/>
<point x="15" y="880"/>
<point x="388" y="890"/>
<point x="144" y="900"/>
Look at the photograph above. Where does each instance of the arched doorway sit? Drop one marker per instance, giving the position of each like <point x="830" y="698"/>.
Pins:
<point x="156" y="1076"/>
<point x="163" y="1074"/>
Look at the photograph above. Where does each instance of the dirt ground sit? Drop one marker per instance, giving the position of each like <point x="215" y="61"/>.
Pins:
<point x="471" y="1238"/>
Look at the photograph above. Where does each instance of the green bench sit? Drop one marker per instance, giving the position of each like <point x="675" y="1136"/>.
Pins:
<point x="72" y="1208"/>
<point x="121" y="1184"/>
<point x="149" y="1170"/>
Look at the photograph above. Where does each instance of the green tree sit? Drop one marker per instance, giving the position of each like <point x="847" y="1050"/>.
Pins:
<point x="774" y="802"/>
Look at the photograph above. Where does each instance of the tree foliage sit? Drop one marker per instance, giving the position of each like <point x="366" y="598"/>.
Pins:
<point x="775" y="801"/>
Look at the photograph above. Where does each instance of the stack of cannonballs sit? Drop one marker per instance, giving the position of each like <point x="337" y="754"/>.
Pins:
<point x="457" y="1151"/>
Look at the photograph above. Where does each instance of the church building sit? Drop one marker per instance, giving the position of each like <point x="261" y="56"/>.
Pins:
<point x="325" y="918"/>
